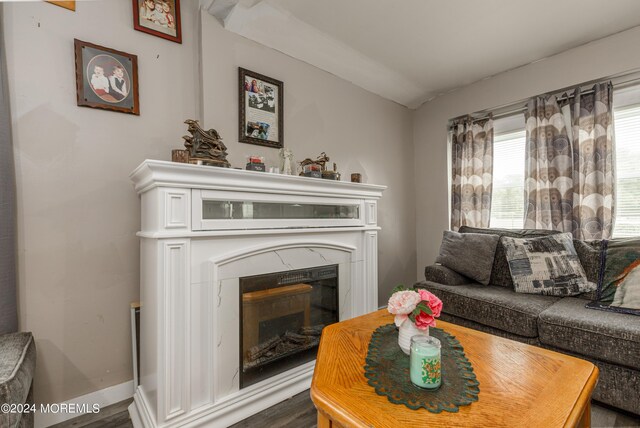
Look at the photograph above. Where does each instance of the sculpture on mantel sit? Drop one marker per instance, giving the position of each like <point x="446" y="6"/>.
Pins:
<point x="320" y="160"/>
<point x="287" y="161"/>
<point x="318" y="168"/>
<point x="205" y="146"/>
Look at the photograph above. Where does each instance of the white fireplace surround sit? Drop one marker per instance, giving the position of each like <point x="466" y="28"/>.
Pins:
<point x="190" y="271"/>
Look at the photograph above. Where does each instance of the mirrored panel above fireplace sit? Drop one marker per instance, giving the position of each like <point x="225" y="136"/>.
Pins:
<point x="247" y="210"/>
<point x="282" y="317"/>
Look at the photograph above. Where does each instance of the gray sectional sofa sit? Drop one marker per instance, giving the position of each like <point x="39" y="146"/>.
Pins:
<point x="17" y="366"/>
<point x="610" y="340"/>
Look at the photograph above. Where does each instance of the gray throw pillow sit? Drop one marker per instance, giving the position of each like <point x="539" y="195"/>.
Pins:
<point x="547" y="265"/>
<point x="500" y="274"/>
<point x="470" y="254"/>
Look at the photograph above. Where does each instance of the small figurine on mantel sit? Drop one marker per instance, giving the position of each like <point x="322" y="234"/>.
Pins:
<point x="309" y="165"/>
<point x="317" y="168"/>
<point x="287" y="161"/>
<point x="205" y="146"/>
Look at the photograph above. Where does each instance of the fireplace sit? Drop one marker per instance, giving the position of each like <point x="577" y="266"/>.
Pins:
<point x="239" y="273"/>
<point x="282" y="315"/>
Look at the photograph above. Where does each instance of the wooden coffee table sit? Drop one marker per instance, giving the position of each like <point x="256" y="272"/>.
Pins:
<point x="520" y="385"/>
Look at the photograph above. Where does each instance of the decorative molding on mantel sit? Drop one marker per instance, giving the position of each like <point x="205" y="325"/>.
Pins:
<point x="156" y="173"/>
<point x="246" y="232"/>
<point x="267" y="24"/>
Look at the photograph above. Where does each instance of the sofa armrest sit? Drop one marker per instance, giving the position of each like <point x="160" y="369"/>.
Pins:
<point x="444" y="275"/>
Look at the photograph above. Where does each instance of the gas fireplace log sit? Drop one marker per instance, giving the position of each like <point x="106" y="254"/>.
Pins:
<point x="295" y="338"/>
<point x="315" y="330"/>
<point x="263" y="348"/>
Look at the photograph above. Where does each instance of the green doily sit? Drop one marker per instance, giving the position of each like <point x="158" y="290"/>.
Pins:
<point x="387" y="369"/>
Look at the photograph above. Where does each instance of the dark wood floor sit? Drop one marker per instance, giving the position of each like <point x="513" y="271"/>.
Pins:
<point x="299" y="412"/>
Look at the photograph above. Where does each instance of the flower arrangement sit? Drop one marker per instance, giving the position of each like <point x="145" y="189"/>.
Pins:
<point x="418" y="306"/>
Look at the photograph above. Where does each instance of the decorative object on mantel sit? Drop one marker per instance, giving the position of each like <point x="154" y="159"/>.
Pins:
<point x="314" y="168"/>
<point x="261" y="115"/>
<point x="158" y="18"/>
<point x="205" y="147"/>
<point x="356" y="177"/>
<point x="106" y="78"/>
<point x="331" y="175"/>
<point x="255" y="163"/>
<point x="287" y="161"/>
<point x="388" y="372"/>
<point x="180" y="155"/>
<point x="415" y="311"/>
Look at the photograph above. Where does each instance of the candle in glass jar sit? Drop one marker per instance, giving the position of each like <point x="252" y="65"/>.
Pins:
<point x="425" y="362"/>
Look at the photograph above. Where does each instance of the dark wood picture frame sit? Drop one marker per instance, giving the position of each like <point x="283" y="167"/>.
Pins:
<point x="178" y="26"/>
<point x="245" y="76"/>
<point x="87" y="95"/>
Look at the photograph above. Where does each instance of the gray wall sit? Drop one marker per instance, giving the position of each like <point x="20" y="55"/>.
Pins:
<point x="8" y="302"/>
<point x="605" y="57"/>
<point x="359" y="131"/>
<point x="77" y="211"/>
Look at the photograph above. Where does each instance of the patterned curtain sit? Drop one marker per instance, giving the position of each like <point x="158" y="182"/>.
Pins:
<point x="472" y="173"/>
<point x="548" y="167"/>
<point x="593" y="163"/>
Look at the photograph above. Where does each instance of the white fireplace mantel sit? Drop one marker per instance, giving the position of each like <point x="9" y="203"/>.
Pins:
<point x="191" y="261"/>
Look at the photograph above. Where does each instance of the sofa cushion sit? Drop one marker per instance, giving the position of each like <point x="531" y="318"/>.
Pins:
<point x="500" y="274"/>
<point x="469" y="254"/>
<point x="606" y="336"/>
<point x="17" y="365"/>
<point x="493" y="306"/>
<point x="444" y="275"/>
<point x="546" y="265"/>
<point x="619" y="285"/>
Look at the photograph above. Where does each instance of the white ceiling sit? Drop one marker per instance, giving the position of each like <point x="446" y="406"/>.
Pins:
<point x="412" y="50"/>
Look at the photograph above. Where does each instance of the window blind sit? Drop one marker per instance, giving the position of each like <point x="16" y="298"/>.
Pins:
<point x="627" y="205"/>
<point x="507" y="200"/>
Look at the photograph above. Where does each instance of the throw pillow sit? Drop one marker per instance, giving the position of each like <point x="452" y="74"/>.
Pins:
<point x="500" y="274"/>
<point x="547" y="265"/>
<point x="470" y="254"/>
<point x="619" y="282"/>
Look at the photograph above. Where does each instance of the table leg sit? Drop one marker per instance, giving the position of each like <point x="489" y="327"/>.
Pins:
<point x="585" y="421"/>
<point x="323" y="421"/>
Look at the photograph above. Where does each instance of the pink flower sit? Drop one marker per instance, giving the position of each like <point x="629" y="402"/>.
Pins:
<point x="424" y="321"/>
<point x="403" y="302"/>
<point x="435" y="304"/>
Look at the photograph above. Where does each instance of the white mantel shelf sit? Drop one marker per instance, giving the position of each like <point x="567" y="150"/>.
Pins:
<point x="192" y="257"/>
<point x="156" y="173"/>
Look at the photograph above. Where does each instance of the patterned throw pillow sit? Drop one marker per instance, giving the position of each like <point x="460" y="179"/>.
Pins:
<point x="619" y="282"/>
<point x="547" y="265"/>
<point x="500" y="274"/>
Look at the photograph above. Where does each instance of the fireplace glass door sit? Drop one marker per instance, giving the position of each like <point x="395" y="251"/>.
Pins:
<point x="282" y="317"/>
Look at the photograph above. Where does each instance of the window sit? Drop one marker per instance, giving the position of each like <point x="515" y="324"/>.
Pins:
<point x="627" y="205"/>
<point x="507" y="201"/>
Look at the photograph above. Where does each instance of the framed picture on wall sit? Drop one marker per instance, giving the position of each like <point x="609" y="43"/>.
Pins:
<point x="158" y="17"/>
<point x="261" y="118"/>
<point x="106" y="78"/>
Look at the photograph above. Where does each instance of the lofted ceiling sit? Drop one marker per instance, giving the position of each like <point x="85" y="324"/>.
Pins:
<point x="409" y="51"/>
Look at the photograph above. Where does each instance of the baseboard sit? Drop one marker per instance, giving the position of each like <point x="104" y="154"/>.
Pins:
<point x="104" y="397"/>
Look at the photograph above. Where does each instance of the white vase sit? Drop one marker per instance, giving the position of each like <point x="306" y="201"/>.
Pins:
<point x="406" y="332"/>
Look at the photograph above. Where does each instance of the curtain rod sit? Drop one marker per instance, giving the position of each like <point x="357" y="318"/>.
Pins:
<point x="630" y="77"/>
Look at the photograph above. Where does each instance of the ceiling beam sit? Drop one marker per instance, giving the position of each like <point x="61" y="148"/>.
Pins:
<point x="267" y="24"/>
